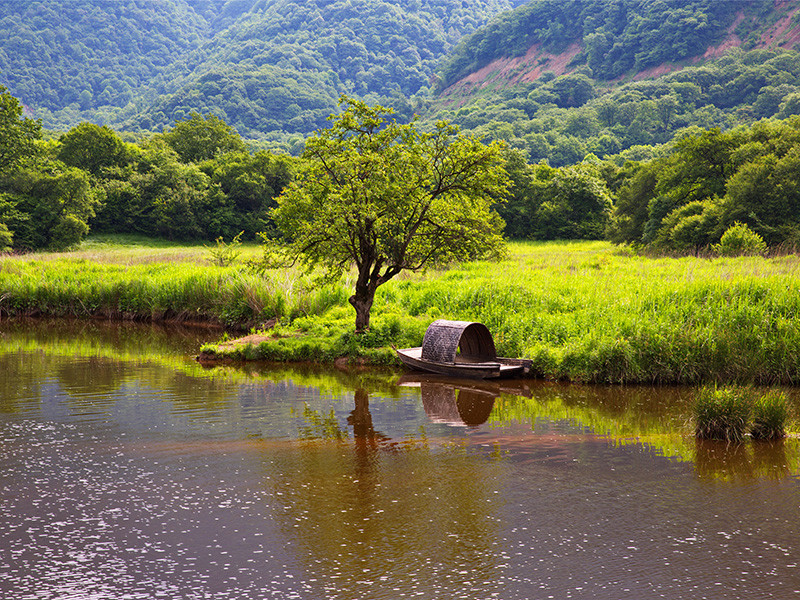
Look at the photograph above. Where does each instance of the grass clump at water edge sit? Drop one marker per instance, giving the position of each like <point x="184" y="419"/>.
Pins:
<point x="729" y="413"/>
<point x="770" y="415"/>
<point x="722" y="414"/>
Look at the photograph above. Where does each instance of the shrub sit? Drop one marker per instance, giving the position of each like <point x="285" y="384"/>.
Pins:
<point x="770" y="413"/>
<point x="740" y="240"/>
<point x="67" y="233"/>
<point x="224" y="255"/>
<point x="6" y="238"/>
<point x="722" y="414"/>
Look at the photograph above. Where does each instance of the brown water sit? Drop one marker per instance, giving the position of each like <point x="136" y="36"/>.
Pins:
<point x="129" y="472"/>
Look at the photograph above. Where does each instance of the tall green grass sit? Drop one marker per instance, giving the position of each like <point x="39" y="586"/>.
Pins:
<point x="728" y="413"/>
<point x="582" y="311"/>
<point x="722" y="413"/>
<point x="157" y="291"/>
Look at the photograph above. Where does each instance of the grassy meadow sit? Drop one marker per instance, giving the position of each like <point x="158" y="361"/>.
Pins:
<point x="583" y="311"/>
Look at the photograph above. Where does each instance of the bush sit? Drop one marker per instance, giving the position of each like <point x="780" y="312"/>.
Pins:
<point x="770" y="413"/>
<point x="722" y="414"/>
<point x="68" y="233"/>
<point x="6" y="238"/>
<point x="740" y="240"/>
<point x="224" y="255"/>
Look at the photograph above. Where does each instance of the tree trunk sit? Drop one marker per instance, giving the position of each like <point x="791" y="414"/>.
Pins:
<point x="362" y="302"/>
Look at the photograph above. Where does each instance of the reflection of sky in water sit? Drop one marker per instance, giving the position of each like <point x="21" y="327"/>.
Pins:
<point x="199" y="488"/>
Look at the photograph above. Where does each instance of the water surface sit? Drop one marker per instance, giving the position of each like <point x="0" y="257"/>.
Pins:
<point x="128" y="471"/>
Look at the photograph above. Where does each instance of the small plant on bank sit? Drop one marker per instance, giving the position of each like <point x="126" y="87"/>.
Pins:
<point x="770" y="414"/>
<point x="722" y="414"/>
<point x="740" y="240"/>
<point x="223" y="254"/>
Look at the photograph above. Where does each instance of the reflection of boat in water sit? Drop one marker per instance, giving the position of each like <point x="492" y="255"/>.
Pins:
<point x="461" y="349"/>
<point x="456" y="402"/>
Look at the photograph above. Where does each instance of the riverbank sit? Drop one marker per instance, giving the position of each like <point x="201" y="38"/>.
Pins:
<point x="581" y="311"/>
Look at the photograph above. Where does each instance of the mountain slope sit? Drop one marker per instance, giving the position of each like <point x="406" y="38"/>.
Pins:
<point x="260" y="65"/>
<point x="555" y="99"/>
<point x="614" y="38"/>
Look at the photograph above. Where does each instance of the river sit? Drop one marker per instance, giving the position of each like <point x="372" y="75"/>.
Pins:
<point x="128" y="471"/>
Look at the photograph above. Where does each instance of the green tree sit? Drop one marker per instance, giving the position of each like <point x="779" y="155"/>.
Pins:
<point x="18" y="134"/>
<point x="6" y="238"/>
<point x="740" y="240"/>
<point x="56" y="202"/>
<point x="92" y="148"/>
<point x="631" y="207"/>
<point x="250" y="182"/>
<point x="200" y="138"/>
<point x="577" y="205"/>
<point x="388" y="198"/>
<point x="764" y="194"/>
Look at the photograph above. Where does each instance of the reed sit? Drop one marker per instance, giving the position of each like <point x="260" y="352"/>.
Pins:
<point x="156" y="292"/>
<point x="770" y="416"/>
<point x="722" y="413"/>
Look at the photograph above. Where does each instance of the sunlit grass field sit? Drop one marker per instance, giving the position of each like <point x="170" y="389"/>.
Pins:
<point x="583" y="311"/>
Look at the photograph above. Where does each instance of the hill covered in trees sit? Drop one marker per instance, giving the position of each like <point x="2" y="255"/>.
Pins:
<point x="560" y="80"/>
<point x="260" y="65"/>
<point x="613" y="38"/>
<point x="596" y="147"/>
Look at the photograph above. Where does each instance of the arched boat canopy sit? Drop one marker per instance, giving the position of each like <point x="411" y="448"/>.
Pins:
<point x="444" y="338"/>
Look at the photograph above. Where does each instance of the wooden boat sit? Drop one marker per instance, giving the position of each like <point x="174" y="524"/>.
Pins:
<point x="461" y="349"/>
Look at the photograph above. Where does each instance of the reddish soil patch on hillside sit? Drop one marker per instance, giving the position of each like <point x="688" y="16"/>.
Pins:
<point x="511" y="71"/>
<point x="514" y="70"/>
<point x="782" y="34"/>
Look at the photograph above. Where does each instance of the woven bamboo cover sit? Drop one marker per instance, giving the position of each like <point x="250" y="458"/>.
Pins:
<point x="444" y="338"/>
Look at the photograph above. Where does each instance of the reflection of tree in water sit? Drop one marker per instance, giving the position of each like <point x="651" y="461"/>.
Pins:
<point x="371" y="516"/>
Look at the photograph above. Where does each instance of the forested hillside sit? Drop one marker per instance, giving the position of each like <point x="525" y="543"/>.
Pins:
<point x="562" y="119"/>
<point x="613" y="37"/>
<point x="661" y="124"/>
<point x="261" y="65"/>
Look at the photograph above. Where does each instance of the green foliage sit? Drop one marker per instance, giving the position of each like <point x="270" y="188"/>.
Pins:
<point x="722" y="413"/>
<point x="200" y="138"/>
<point x="49" y="204"/>
<point x="67" y="233"/>
<point x="741" y="181"/>
<point x="6" y="238"/>
<point x="89" y="177"/>
<point x="617" y="38"/>
<point x="92" y="148"/>
<point x="547" y="203"/>
<point x="275" y="66"/>
<point x="740" y="240"/>
<point x="389" y="198"/>
<point x="223" y="254"/>
<point x="770" y="416"/>
<point x="629" y="120"/>
<point x="18" y="134"/>
<point x="247" y="185"/>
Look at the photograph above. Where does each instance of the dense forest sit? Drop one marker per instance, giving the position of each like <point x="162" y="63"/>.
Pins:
<point x="198" y="181"/>
<point x="616" y="36"/>
<point x="562" y="119"/>
<point x="185" y="122"/>
<point x="263" y="66"/>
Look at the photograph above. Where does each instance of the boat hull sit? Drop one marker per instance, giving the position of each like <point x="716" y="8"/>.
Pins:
<point x="412" y="358"/>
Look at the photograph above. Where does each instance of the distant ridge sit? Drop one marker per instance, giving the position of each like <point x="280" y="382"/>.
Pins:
<point x="556" y="37"/>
